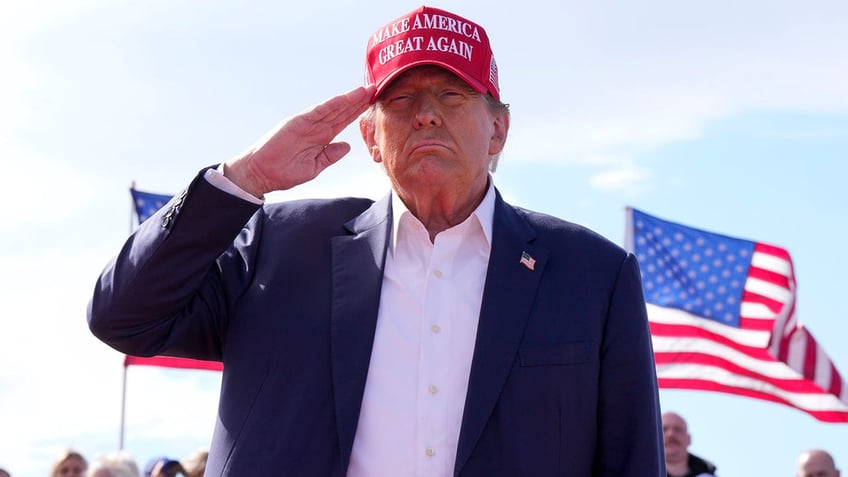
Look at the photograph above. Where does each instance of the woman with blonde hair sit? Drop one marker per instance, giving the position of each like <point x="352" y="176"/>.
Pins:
<point x="70" y="463"/>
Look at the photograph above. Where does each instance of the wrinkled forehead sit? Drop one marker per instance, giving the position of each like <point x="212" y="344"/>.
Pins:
<point x="428" y="72"/>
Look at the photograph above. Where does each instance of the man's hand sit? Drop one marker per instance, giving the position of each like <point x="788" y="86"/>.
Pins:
<point x="300" y="147"/>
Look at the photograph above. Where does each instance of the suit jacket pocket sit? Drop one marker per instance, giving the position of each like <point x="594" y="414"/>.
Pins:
<point x="562" y="354"/>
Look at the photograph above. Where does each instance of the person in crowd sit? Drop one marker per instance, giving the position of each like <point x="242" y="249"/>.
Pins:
<point x="195" y="463"/>
<point x="117" y="464"/>
<point x="438" y="331"/>
<point x="69" y="463"/>
<point x="816" y="463"/>
<point x="163" y="467"/>
<point x="679" y="462"/>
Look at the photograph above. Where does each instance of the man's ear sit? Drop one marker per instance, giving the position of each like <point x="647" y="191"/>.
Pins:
<point x="501" y="130"/>
<point x="367" y="130"/>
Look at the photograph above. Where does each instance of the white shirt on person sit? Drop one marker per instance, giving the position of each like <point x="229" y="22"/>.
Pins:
<point x="430" y="302"/>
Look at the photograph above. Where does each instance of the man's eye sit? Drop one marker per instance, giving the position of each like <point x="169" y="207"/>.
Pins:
<point x="453" y="95"/>
<point x="399" y="98"/>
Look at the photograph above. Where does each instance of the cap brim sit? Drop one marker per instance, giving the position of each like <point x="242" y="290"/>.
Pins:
<point x="384" y="83"/>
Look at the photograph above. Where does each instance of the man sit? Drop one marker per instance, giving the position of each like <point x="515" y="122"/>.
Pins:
<point x="439" y="331"/>
<point x="816" y="463"/>
<point x="163" y="467"/>
<point x="678" y="461"/>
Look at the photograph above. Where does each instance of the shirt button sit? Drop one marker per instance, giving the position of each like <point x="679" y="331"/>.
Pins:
<point x="430" y="452"/>
<point x="432" y="389"/>
<point x="437" y="273"/>
<point x="435" y="328"/>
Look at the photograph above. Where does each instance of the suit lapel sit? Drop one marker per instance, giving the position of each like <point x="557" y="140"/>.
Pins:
<point x="507" y="299"/>
<point x="358" y="259"/>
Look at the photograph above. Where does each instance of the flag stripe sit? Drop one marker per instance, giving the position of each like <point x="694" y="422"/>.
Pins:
<point x="172" y="362"/>
<point x="817" y="401"/>
<point x="705" y="385"/>
<point x="661" y="315"/>
<point x="697" y="349"/>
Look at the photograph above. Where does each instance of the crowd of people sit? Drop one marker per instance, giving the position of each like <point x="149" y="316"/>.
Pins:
<point x="71" y="463"/>
<point x="679" y="462"/>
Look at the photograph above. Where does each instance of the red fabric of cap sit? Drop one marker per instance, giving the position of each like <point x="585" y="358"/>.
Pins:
<point x="430" y="36"/>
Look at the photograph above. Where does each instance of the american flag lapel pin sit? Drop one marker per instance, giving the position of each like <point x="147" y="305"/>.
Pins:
<point x="528" y="261"/>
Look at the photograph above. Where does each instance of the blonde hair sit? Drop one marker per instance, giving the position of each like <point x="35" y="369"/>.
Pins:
<point x="195" y="463"/>
<point x="118" y="464"/>
<point x="65" y="456"/>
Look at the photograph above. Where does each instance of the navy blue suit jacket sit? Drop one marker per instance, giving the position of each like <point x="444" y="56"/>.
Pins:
<point x="562" y="379"/>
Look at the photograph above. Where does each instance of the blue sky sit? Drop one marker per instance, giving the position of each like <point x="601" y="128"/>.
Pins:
<point x="728" y="117"/>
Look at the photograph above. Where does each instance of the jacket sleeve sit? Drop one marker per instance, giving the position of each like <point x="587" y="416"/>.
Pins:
<point x="167" y="290"/>
<point x="630" y="441"/>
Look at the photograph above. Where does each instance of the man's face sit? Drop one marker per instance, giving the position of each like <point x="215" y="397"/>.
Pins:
<point x="675" y="436"/>
<point x="816" y="465"/>
<point x="433" y="132"/>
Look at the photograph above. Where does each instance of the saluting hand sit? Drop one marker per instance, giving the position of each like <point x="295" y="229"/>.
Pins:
<point x="300" y="147"/>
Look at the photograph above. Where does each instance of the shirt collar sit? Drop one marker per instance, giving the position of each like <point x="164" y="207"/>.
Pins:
<point x="484" y="213"/>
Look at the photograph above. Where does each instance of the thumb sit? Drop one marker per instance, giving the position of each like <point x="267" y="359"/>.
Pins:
<point x="333" y="152"/>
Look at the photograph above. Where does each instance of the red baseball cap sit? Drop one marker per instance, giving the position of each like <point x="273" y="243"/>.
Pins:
<point x="430" y="36"/>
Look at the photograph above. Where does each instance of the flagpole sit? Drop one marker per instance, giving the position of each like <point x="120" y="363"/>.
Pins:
<point x="123" y="410"/>
<point x="124" y="383"/>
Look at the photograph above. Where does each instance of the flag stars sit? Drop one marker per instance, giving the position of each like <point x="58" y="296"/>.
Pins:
<point x="691" y="270"/>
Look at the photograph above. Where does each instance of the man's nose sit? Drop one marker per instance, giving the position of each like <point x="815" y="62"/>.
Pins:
<point x="427" y="113"/>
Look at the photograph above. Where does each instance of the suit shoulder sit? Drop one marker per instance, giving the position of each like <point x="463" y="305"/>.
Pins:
<point x="336" y="210"/>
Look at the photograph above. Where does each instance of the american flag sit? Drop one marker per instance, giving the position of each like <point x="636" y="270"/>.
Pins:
<point x="527" y="261"/>
<point x="147" y="203"/>
<point x="722" y="317"/>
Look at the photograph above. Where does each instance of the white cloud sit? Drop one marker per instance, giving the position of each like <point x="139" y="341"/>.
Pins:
<point x="39" y="191"/>
<point x="623" y="82"/>
<point x="627" y="178"/>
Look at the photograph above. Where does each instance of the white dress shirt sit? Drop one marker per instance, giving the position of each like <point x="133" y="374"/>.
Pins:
<point x="421" y="358"/>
